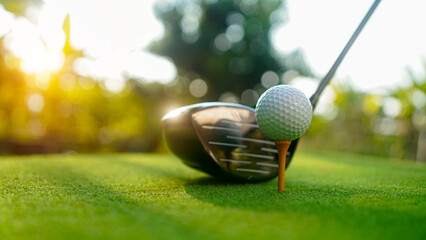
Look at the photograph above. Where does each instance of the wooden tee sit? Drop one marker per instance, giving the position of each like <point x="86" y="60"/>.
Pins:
<point x="282" y="147"/>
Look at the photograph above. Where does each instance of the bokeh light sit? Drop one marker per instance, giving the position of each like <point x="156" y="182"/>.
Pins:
<point x="198" y="88"/>
<point x="35" y="102"/>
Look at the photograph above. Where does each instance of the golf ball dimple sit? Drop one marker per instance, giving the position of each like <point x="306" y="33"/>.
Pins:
<point x="283" y="112"/>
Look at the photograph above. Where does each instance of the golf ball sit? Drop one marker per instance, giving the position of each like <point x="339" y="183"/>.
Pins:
<point x="283" y="112"/>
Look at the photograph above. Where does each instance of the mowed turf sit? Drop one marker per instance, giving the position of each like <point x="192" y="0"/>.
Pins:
<point x="143" y="196"/>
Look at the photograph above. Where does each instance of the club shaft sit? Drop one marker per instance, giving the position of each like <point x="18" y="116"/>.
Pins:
<point x="326" y="79"/>
<point x="314" y="98"/>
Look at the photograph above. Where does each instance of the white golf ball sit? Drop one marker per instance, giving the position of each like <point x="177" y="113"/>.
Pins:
<point x="283" y="112"/>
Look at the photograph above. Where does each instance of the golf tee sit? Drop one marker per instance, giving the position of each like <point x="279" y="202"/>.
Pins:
<point x="282" y="147"/>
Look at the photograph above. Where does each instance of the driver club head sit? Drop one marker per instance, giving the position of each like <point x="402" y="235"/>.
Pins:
<point x="223" y="140"/>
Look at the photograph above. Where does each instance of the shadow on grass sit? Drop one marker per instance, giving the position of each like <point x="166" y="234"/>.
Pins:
<point x="109" y="213"/>
<point x="264" y="196"/>
<point x="372" y="211"/>
<point x="131" y="215"/>
<point x="299" y="196"/>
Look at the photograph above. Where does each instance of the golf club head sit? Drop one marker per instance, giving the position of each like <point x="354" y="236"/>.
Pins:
<point x="223" y="140"/>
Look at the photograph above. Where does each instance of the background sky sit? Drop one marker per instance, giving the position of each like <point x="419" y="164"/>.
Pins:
<point x="113" y="35"/>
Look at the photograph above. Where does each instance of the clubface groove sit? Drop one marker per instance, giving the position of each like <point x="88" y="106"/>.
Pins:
<point x="224" y="140"/>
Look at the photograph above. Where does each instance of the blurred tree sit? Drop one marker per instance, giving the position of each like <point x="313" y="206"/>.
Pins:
<point x="223" y="51"/>
<point x="226" y="44"/>
<point x="61" y="111"/>
<point x="345" y="126"/>
<point x="413" y="116"/>
<point x="391" y="125"/>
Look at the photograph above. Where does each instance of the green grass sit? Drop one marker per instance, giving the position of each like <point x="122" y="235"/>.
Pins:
<point x="135" y="196"/>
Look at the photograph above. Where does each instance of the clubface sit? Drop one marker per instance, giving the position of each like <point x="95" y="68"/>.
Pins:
<point x="223" y="140"/>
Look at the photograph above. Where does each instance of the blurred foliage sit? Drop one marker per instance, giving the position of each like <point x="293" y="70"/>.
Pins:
<point x="391" y="125"/>
<point x="64" y="112"/>
<point x="225" y="43"/>
<point x="78" y="113"/>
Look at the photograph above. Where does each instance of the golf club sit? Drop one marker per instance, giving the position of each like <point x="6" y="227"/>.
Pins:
<point x="224" y="140"/>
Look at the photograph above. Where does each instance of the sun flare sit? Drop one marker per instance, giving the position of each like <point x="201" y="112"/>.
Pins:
<point x="42" y="62"/>
<point x="29" y="45"/>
